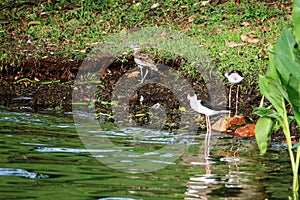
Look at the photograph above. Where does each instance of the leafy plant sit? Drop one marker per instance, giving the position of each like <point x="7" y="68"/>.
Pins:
<point x="281" y="85"/>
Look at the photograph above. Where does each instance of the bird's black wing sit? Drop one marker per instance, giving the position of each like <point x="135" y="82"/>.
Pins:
<point x="213" y="106"/>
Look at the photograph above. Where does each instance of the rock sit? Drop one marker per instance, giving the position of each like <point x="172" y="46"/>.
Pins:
<point x="223" y="124"/>
<point x="245" y="131"/>
<point x="220" y="125"/>
<point x="235" y="121"/>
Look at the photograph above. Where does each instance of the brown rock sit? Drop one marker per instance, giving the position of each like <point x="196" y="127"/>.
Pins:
<point x="223" y="124"/>
<point x="235" y="121"/>
<point x="220" y="125"/>
<point x="245" y="131"/>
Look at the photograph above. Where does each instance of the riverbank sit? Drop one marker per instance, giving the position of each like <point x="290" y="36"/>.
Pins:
<point x="44" y="44"/>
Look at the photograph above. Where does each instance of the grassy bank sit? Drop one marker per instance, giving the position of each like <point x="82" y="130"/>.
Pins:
<point x="30" y="29"/>
<point x="60" y="32"/>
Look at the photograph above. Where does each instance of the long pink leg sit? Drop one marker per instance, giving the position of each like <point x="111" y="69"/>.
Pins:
<point x="236" y="99"/>
<point x="229" y="100"/>
<point x="207" y="137"/>
<point x="209" y="134"/>
<point x="207" y="166"/>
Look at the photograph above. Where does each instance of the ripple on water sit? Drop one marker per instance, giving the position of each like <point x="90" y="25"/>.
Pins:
<point x="244" y="176"/>
<point x="21" y="172"/>
<point x="70" y="150"/>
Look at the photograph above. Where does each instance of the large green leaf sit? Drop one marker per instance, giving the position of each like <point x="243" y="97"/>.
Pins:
<point x="263" y="130"/>
<point x="296" y="145"/>
<point x="266" y="112"/>
<point x="286" y="56"/>
<point x="293" y="89"/>
<point x="286" y="67"/>
<point x="273" y="92"/>
<point x="272" y="71"/>
<point x="296" y="20"/>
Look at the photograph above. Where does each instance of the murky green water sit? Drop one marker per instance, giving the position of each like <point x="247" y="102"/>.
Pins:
<point x="42" y="157"/>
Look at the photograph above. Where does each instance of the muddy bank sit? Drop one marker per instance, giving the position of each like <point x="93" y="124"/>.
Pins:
<point x="47" y="85"/>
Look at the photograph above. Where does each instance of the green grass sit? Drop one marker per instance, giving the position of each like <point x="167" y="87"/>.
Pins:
<point x="69" y="29"/>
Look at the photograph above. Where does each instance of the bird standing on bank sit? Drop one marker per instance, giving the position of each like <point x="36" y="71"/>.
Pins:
<point x="234" y="77"/>
<point x="143" y="60"/>
<point x="206" y="108"/>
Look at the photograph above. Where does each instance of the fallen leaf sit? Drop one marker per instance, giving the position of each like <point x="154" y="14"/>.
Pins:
<point x="55" y="19"/>
<point x="259" y="22"/>
<point x="250" y="38"/>
<point x="202" y="24"/>
<point x="253" y="40"/>
<point x="234" y="44"/>
<point x="251" y="34"/>
<point x="273" y="19"/>
<point x="246" y="24"/>
<point x="190" y="19"/>
<point x="265" y="29"/>
<point x="244" y="37"/>
<point x="223" y="53"/>
<point x="218" y="31"/>
<point x="124" y="30"/>
<point x="154" y="5"/>
<point x="34" y="23"/>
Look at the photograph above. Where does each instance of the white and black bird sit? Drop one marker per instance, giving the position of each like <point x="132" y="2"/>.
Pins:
<point x="143" y="60"/>
<point x="206" y="108"/>
<point x="234" y="77"/>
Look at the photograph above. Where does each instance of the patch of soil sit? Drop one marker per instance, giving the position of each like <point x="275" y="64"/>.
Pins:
<point x="38" y="84"/>
<point x="52" y="82"/>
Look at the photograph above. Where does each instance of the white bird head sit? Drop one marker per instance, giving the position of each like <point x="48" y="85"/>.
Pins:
<point x="192" y="97"/>
<point x="234" y="76"/>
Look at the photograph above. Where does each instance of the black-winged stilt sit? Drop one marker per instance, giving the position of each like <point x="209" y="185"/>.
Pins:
<point x="234" y="77"/>
<point x="143" y="60"/>
<point x="206" y="108"/>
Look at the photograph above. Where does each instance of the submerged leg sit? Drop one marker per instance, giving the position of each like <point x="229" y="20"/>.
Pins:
<point x="207" y="167"/>
<point x="207" y="137"/>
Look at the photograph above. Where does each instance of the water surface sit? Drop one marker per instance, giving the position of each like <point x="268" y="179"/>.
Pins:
<point x="42" y="157"/>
